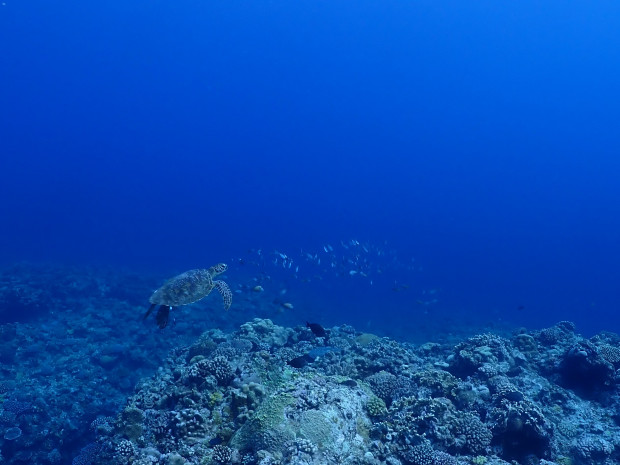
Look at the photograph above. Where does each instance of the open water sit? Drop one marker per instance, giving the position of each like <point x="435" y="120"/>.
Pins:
<point x="413" y="169"/>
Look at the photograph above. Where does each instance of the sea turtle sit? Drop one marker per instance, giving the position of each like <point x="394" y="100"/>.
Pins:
<point x="187" y="288"/>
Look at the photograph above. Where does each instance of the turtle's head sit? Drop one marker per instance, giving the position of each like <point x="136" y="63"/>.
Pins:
<point x="219" y="268"/>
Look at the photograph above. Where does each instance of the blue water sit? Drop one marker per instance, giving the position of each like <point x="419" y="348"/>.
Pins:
<point x="478" y="139"/>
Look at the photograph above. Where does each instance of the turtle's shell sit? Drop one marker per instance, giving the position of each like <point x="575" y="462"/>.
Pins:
<point x="184" y="289"/>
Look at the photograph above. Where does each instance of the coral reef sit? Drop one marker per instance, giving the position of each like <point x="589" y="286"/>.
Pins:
<point x="237" y="396"/>
<point x="487" y="400"/>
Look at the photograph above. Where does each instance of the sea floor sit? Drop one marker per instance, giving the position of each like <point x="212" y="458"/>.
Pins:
<point x="84" y="380"/>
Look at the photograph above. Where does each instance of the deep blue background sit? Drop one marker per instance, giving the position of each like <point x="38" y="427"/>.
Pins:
<point x="480" y="137"/>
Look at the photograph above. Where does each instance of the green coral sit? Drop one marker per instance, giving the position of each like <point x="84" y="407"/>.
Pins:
<point x="265" y="430"/>
<point x="215" y="398"/>
<point x="439" y="382"/>
<point x="271" y="412"/>
<point x="376" y="406"/>
<point x="268" y="370"/>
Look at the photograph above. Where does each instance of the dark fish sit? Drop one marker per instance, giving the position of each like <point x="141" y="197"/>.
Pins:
<point x="349" y="383"/>
<point x="515" y="396"/>
<point x="521" y="307"/>
<point x="215" y="441"/>
<point x="316" y="329"/>
<point x="300" y="362"/>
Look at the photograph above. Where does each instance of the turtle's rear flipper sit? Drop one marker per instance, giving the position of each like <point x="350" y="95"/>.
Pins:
<point x="223" y="289"/>
<point x="162" y="316"/>
<point x="148" y="312"/>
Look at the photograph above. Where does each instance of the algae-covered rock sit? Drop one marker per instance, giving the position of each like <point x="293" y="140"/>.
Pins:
<point x="334" y="425"/>
<point x="132" y="419"/>
<point x="267" y="428"/>
<point x="316" y="426"/>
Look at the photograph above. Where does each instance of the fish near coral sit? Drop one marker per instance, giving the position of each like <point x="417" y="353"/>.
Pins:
<point x="316" y="329"/>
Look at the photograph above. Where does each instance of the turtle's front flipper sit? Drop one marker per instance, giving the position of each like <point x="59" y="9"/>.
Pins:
<point x="223" y="289"/>
<point x="162" y="316"/>
<point x="148" y="312"/>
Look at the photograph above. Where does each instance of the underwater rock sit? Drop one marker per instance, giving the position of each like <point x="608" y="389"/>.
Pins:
<point x="584" y="369"/>
<point x="486" y="355"/>
<point x="561" y="332"/>
<point x="265" y="331"/>
<point x="521" y="429"/>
